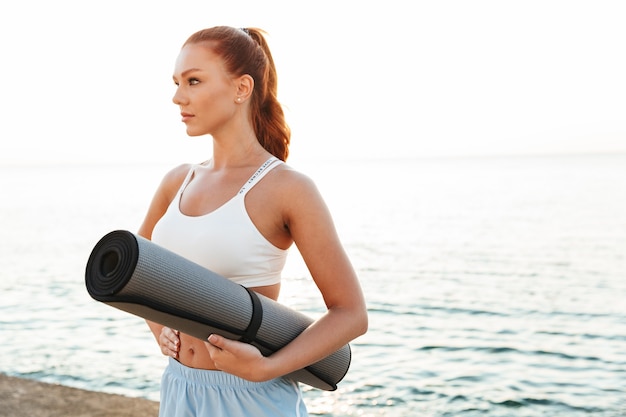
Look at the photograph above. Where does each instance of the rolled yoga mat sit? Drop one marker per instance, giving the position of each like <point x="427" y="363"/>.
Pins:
<point x="136" y="275"/>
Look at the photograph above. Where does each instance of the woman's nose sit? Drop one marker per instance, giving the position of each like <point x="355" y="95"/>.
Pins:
<point x="178" y="97"/>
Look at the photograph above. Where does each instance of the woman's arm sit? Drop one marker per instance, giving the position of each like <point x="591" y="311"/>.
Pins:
<point x="311" y="226"/>
<point x="166" y="338"/>
<point x="162" y="198"/>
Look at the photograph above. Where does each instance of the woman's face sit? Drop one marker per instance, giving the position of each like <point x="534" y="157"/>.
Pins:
<point x="205" y="92"/>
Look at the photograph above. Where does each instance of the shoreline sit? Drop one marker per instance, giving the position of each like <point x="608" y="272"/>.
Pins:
<point x="31" y="398"/>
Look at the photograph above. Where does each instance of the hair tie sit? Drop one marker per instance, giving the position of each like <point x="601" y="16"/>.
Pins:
<point x="246" y="31"/>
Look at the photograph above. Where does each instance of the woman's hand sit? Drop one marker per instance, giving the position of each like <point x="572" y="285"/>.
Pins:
<point x="237" y="358"/>
<point x="169" y="342"/>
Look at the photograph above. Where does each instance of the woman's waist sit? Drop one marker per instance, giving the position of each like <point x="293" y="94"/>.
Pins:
<point x="194" y="354"/>
<point x="212" y="377"/>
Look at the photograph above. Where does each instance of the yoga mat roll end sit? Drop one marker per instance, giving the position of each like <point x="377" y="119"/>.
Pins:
<point x="111" y="264"/>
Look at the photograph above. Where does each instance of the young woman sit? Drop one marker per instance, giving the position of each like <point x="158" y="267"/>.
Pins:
<point x="237" y="214"/>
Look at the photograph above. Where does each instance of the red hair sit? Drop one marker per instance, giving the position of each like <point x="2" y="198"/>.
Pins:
<point x="245" y="51"/>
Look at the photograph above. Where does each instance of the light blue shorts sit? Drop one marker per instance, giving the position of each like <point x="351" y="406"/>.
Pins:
<point x="190" y="392"/>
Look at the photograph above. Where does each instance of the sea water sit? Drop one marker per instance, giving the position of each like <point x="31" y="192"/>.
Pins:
<point x="495" y="286"/>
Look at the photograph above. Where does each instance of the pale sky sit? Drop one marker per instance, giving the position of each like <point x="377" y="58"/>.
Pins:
<point x="91" y="81"/>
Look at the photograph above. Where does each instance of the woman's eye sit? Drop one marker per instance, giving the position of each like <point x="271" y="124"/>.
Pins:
<point x="194" y="81"/>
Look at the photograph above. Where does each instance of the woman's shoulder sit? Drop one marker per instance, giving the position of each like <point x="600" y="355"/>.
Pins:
<point x="292" y="179"/>
<point x="173" y="179"/>
<point x="177" y="172"/>
<point x="295" y="188"/>
<point x="302" y="206"/>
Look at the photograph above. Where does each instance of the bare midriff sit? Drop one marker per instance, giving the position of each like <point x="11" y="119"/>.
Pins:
<point x="193" y="352"/>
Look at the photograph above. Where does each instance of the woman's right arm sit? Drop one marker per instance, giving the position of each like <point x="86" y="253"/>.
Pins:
<point x="163" y="196"/>
<point x="166" y="338"/>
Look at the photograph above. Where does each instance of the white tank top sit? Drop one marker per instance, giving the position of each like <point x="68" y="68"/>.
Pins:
<point x="225" y="240"/>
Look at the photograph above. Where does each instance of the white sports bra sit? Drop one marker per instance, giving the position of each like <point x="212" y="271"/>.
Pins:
<point x="225" y="240"/>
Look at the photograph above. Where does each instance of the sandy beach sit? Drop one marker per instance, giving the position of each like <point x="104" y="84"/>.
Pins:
<point x="28" y="398"/>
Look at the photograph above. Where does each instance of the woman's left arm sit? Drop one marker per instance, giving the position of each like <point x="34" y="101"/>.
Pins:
<point x="310" y="224"/>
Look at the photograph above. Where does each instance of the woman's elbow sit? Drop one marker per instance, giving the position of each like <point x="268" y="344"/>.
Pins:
<point x="361" y="322"/>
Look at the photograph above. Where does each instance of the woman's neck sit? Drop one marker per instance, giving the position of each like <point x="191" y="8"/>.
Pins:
<point x="238" y="153"/>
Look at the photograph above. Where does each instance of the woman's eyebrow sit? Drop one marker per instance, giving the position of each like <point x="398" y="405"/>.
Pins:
<point x="186" y="72"/>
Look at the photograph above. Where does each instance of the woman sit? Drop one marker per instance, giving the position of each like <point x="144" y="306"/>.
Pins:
<point x="237" y="214"/>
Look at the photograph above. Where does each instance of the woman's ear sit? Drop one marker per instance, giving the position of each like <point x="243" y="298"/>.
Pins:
<point x="245" y="86"/>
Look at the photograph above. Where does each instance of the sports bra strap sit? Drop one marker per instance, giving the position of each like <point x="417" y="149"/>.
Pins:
<point x="260" y="173"/>
<point x="256" y="177"/>
<point x="186" y="180"/>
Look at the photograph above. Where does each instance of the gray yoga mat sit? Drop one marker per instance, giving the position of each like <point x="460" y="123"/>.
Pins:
<point x="135" y="275"/>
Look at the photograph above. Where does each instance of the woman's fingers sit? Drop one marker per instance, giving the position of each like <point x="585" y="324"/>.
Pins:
<point x="170" y="342"/>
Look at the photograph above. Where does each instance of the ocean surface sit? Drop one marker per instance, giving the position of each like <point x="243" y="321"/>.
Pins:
<point x="495" y="286"/>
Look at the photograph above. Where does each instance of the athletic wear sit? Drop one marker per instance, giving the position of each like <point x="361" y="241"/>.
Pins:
<point x="225" y="240"/>
<point x="190" y="392"/>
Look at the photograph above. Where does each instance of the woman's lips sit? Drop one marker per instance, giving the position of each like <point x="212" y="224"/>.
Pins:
<point x="186" y="117"/>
